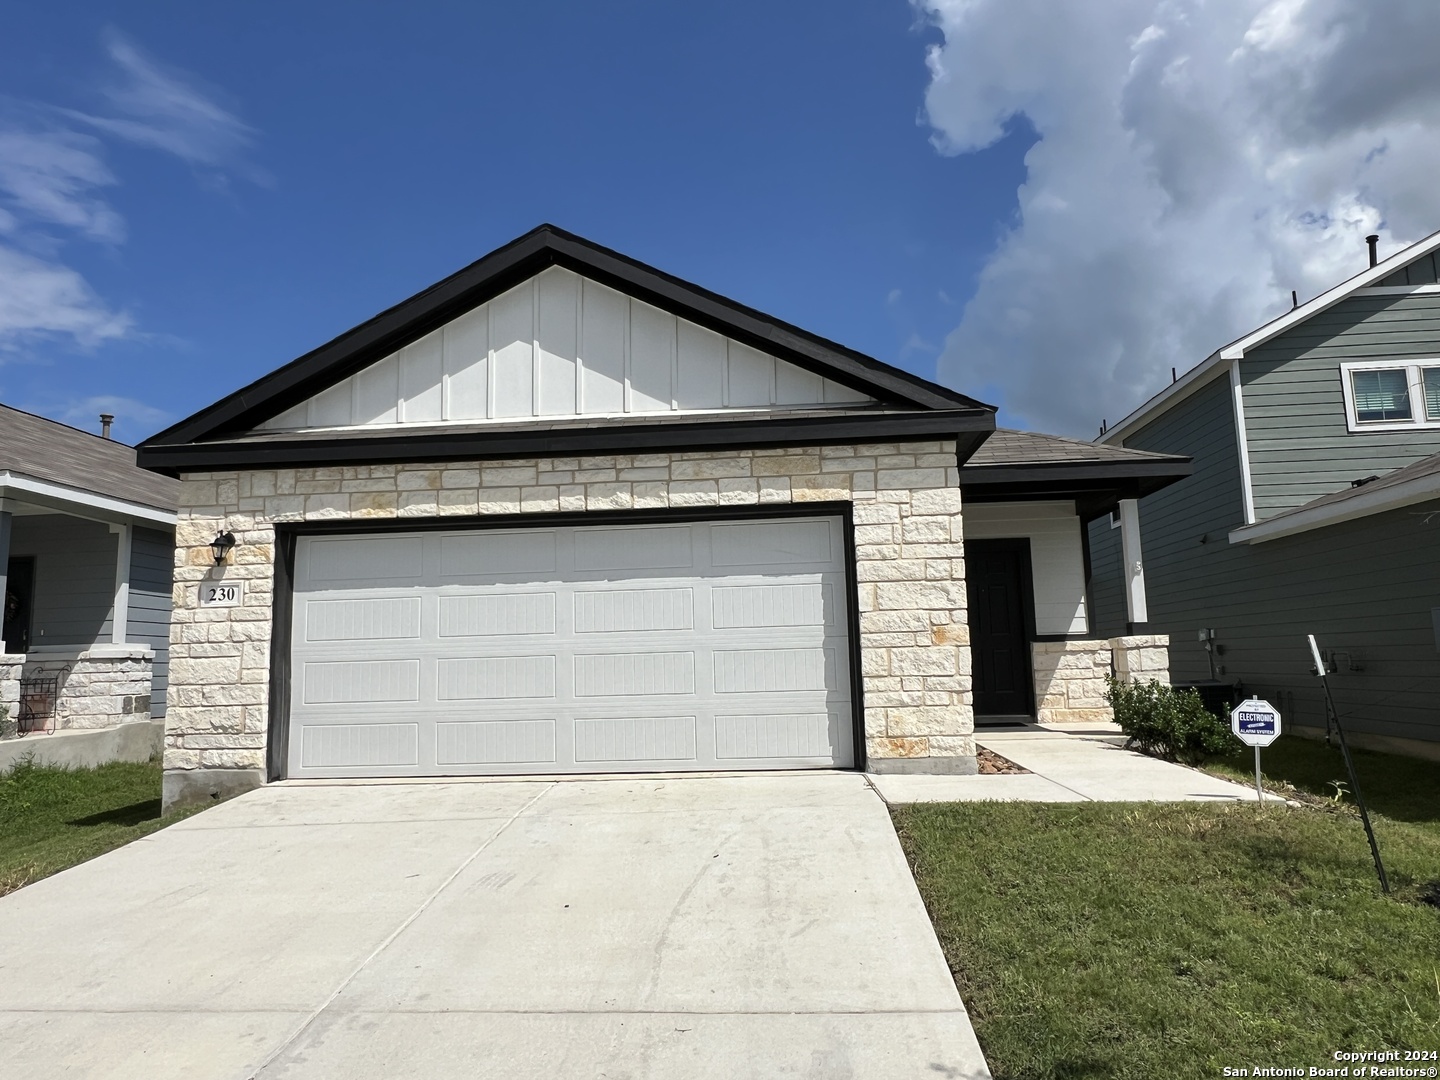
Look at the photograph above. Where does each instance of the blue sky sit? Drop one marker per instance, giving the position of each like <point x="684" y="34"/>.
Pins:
<point x="1044" y="203"/>
<point x="773" y="152"/>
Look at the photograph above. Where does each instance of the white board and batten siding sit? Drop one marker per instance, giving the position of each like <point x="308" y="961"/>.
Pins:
<point x="1057" y="560"/>
<point x="560" y="345"/>
<point x="715" y="645"/>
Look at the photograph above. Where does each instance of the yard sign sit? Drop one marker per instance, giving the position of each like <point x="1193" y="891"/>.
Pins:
<point x="1256" y="723"/>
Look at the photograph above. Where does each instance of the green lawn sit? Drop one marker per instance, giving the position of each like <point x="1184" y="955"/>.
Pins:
<point x="54" y="818"/>
<point x="1143" y="941"/>
<point x="1401" y="788"/>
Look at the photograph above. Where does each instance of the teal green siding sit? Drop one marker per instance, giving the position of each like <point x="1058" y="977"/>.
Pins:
<point x="1299" y="446"/>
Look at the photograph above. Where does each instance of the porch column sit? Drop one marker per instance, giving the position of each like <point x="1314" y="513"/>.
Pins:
<point x="1135" y="607"/>
<point x="120" y="622"/>
<point x="5" y="518"/>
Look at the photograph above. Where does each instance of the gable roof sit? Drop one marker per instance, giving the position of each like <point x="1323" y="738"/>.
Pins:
<point x="507" y="266"/>
<point x="1219" y="361"/>
<point x="35" y="449"/>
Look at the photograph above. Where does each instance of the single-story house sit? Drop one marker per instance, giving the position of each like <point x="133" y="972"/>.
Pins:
<point x="86" y="550"/>
<point x="563" y="512"/>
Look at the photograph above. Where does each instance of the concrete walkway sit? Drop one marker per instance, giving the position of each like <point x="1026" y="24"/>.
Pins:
<point x="1088" y="765"/>
<point x="704" y="927"/>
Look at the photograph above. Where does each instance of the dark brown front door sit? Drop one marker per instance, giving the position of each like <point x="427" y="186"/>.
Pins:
<point x="997" y="575"/>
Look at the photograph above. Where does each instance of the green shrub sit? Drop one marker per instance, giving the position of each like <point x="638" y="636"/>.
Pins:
<point x="1168" y="723"/>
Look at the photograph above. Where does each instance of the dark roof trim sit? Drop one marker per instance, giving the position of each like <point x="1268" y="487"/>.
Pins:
<point x="1096" y="488"/>
<point x="521" y="259"/>
<point x="1176" y="468"/>
<point x="969" y="427"/>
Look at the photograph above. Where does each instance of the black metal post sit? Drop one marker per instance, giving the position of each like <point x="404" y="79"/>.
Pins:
<point x="1333" y="714"/>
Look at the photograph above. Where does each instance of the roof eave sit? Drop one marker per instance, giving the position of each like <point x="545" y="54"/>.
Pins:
<point x="1365" y="504"/>
<point x="969" y="427"/>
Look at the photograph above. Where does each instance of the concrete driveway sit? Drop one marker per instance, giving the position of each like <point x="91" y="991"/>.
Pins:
<point x="748" y="926"/>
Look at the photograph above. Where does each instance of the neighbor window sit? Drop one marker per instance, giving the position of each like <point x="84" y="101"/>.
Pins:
<point x="1381" y="395"/>
<point x="1391" y="396"/>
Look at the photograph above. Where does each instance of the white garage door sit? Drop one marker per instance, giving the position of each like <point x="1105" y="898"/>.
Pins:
<point x="714" y="645"/>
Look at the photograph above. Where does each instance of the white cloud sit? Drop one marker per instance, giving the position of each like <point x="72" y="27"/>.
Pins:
<point x="53" y="179"/>
<point x="42" y="298"/>
<point x="169" y="110"/>
<point x="1197" y="160"/>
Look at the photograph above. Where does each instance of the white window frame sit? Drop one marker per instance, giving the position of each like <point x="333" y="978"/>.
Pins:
<point x="1413" y="379"/>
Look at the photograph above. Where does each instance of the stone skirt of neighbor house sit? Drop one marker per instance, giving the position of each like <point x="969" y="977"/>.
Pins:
<point x="98" y="687"/>
<point x="11" y="665"/>
<point x="914" y="640"/>
<point x="1070" y="675"/>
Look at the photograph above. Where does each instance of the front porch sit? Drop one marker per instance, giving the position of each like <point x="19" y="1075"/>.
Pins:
<point x="1027" y="500"/>
<point x="85" y="576"/>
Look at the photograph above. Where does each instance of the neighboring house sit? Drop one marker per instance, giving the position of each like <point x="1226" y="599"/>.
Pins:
<point x="86" y="546"/>
<point x="564" y="513"/>
<point x="1314" y="508"/>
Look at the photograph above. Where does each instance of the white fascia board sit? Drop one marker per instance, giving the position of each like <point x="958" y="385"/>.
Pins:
<point x="80" y="503"/>
<point x="1421" y="489"/>
<point x="1197" y="376"/>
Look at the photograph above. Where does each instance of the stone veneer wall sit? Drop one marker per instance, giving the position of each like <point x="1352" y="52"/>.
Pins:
<point x="11" y="665"/>
<point x="909" y="550"/>
<point x="1070" y="675"/>
<point x="97" y="688"/>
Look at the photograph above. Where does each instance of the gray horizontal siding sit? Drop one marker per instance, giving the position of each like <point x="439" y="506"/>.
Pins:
<point x="1105" y="587"/>
<point x="1184" y="528"/>
<point x="1295" y="426"/>
<point x="74" y="577"/>
<point x="1363" y="587"/>
<point x="152" y="565"/>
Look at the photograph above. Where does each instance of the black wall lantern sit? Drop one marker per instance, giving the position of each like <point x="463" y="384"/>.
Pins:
<point x="221" y="546"/>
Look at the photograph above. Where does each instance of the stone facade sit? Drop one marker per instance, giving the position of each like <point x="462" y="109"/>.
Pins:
<point x="915" y="655"/>
<point x="11" y="664"/>
<point x="99" y="687"/>
<point x="1070" y="675"/>
<point x="1142" y="658"/>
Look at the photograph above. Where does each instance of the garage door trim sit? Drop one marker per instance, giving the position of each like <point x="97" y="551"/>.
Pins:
<point x="288" y="533"/>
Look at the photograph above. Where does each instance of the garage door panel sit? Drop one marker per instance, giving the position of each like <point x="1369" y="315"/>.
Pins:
<point x="772" y="543"/>
<point x="754" y="606"/>
<point x="616" y="611"/>
<point x="497" y="552"/>
<point x="579" y="649"/>
<point x="769" y="735"/>
<point x="495" y="678"/>
<point x="635" y="738"/>
<point x="338" y="682"/>
<point x="360" y="745"/>
<point x="755" y="671"/>
<point x="366" y="559"/>
<point x="496" y="615"/>
<point x="496" y="742"/>
<point x="395" y="617"/>
<point x="649" y="547"/>
<point x="640" y="674"/>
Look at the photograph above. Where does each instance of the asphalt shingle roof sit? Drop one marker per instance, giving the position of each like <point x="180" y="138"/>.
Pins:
<point x="1010" y="447"/>
<point x="46" y="450"/>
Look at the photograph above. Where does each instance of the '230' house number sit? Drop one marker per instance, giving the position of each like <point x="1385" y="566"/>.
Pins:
<point x="220" y="594"/>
